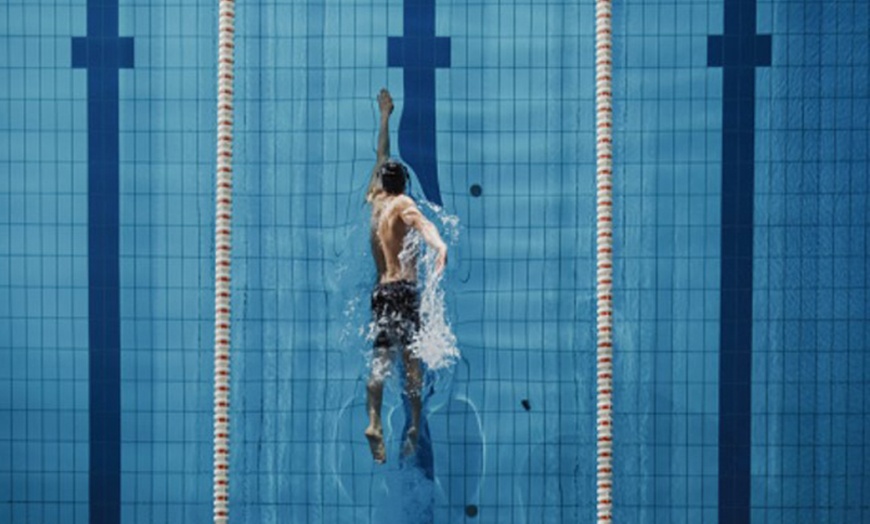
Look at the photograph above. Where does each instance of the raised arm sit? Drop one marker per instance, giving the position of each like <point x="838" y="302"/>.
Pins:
<point x="412" y="217"/>
<point x="385" y="106"/>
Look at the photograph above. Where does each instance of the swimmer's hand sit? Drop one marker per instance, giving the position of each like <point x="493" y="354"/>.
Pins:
<point x="385" y="102"/>
<point x="441" y="261"/>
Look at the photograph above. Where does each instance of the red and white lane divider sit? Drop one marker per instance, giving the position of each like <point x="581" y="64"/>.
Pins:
<point x="223" y="248"/>
<point x="604" y="182"/>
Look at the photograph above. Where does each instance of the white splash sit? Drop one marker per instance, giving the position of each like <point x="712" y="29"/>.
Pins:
<point x="435" y="343"/>
<point x="450" y="222"/>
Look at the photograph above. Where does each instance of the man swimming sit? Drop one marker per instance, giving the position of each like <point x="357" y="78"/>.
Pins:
<point x="395" y="300"/>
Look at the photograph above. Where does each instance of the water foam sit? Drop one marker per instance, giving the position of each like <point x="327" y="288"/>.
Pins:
<point x="435" y="343"/>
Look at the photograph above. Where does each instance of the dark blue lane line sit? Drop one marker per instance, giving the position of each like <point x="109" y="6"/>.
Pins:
<point x="102" y="53"/>
<point x="738" y="52"/>
<point x="419" y="52"/>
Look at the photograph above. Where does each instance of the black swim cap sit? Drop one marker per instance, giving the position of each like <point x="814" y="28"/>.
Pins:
<point x="394" y="177"/>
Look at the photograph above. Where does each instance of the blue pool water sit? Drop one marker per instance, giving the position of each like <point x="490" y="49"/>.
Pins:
<point x="742" y="179"/>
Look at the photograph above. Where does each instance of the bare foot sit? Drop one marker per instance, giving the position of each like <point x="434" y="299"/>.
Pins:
<point x="385" y="101"/>
<point x="410" y="442"/>
<point x="376" y="443"/>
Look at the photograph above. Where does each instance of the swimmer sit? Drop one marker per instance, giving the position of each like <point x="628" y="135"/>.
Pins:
<point x="395" y="299"/>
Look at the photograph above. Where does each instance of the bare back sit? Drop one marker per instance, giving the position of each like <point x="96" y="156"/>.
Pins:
<point x="388" y="233"/>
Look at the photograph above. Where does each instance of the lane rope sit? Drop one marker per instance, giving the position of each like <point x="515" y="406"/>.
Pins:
<point x="223" y="249"/>
<point x="604" y="221"/>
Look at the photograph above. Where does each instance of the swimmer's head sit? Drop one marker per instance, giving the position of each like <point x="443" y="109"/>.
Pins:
<point x="394" y="177"/>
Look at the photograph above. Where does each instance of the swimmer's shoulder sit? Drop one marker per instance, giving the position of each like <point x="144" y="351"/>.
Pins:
<point x="404" y="202"/>
<point x="395" y="204"/>
<point x="405" y="207"/>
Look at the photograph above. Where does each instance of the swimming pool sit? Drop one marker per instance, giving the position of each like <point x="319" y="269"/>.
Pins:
<point x="741" y="169"/>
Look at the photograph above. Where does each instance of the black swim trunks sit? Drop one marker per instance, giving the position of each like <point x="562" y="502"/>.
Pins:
<point x="396" y="308"/>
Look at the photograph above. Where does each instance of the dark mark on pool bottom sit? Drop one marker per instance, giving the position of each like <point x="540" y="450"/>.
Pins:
<point x="476" y="190"/>
<point x="471" y="510"/>
<point x="526" y="404"/>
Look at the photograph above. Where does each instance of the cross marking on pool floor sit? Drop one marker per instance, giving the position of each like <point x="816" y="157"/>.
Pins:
<point x="419" y="53"/>
<point x="738" y="52"/>
<point x="103" y="53"/>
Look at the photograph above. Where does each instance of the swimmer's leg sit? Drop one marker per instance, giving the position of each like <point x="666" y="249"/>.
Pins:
<point x="414" y="392"/>
<point x="375" y="390"/>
